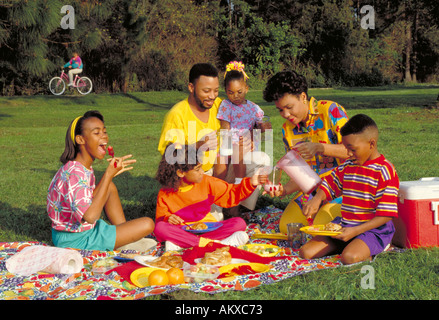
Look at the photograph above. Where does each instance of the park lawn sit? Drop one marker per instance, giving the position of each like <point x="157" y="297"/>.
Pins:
<point x="32" y="133"/>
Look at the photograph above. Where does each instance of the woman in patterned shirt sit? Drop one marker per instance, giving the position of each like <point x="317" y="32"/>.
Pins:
<point x="312" y="128"/>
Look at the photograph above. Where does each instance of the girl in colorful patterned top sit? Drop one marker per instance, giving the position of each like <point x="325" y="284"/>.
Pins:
<point x="238" y="115"/>
<point x="369" y="185"/>
<point x="75" y="203"/>
<point x="186" y="196"/>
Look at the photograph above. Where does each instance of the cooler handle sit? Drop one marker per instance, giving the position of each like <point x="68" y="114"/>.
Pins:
<point x="435" y="209"/>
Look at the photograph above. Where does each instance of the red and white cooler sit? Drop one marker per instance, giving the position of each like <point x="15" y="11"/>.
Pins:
<point x="417" y="224"/>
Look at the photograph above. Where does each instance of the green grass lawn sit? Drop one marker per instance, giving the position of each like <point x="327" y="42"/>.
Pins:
<point x="32" y="131"/>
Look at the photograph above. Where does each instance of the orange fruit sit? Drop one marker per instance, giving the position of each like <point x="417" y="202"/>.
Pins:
<point x="158" y="278"/>
<point x="175" y="276"/>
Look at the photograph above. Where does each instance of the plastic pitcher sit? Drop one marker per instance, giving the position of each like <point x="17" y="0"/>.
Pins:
<point x="298" y="170"/>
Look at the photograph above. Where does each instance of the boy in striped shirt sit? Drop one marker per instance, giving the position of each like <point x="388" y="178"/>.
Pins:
<point x="369" y="185"/>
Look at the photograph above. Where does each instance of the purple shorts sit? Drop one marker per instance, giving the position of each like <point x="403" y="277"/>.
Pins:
<point x="376" y="239"/>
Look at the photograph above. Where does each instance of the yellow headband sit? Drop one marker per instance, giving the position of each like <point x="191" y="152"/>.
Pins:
<point x="236" y="65"/>
<point x="73" y="128"/>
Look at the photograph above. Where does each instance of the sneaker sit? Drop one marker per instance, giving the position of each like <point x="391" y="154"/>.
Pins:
<point x="141" y="245"/>
<point x="170" y="246"/>
<point x="237" y="239"/>
<point x="70" y="84"/>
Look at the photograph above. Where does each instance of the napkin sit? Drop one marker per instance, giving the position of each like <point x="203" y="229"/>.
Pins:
<point x="48" y="259"/>
<point x="126" y="269"/>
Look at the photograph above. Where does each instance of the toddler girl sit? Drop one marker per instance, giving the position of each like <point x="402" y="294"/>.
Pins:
<point x="75" y="203"/>
<point x="187" y="195"/>
<point x="238" y="115"/>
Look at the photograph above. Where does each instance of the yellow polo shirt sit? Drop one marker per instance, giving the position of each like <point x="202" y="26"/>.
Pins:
<point x="181" y="125"/>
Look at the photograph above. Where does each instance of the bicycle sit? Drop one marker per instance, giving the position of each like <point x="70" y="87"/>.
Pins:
<point x="57" y="85"/>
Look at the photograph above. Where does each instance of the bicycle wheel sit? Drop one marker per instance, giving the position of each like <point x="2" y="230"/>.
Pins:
<point x="57" y="86"/>
<point x="84" y="85"/>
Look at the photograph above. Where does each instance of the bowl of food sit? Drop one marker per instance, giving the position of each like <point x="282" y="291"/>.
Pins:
<point x="200" y="273"/>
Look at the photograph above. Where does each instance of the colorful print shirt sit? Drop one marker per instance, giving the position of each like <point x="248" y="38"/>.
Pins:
<point x="368" y="190"/>
<point x="323" y="126"/>
<point x="75" y="63"/>
<point x="242" y="117"/>
<point x="69" y="196"/>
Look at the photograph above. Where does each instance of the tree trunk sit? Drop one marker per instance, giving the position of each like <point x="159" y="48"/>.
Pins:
<point x="408" y="52"/>
<point x="415" y="46"/>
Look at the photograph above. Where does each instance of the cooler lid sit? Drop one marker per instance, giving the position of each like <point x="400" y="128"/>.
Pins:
<point x="424" y="188"/>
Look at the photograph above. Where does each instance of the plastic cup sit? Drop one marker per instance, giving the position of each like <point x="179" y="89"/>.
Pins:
<point x="273" y="183"/>
<point x="226" y="147"/>
<point x="298" y="170"/>
<point x="296" y="238"/>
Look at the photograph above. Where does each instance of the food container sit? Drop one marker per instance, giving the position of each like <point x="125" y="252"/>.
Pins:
<point x="200" y="273"/>
<point x="101" y="266"/>
<point x="417" y="224"/>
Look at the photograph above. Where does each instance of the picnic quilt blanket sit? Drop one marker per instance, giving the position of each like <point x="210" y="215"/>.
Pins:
<point x="116" y="284"/>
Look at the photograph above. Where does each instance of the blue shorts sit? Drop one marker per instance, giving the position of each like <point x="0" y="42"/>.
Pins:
<point x="376" y="239"/>
<point x="102" y="237"/>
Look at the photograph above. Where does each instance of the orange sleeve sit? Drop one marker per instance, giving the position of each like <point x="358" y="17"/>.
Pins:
<point x="162" y="211"/>
<point x="229" y="195"/>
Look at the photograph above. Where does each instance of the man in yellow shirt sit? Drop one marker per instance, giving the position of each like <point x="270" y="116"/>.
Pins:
<point x="193" y="120"/>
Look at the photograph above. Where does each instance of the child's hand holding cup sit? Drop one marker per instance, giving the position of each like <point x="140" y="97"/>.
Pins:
<point x="263" y="124"/>
<point x="259" y="179"/>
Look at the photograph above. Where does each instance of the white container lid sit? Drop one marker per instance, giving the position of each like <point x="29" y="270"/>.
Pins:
<point x="424" y="188"/>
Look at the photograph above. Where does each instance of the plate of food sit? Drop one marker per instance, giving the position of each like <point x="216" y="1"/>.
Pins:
<point x="329" y="229"/>
<point x="264" y="250"/>
<point x="164" y="262"/>
<point x="219" y="257"/>
<point x="202" y="227"/>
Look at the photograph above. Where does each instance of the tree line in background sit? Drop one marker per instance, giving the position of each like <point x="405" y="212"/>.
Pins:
<point x="142" y="45"/>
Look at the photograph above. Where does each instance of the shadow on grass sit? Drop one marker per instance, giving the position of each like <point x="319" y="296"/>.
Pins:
<point x="138" y="196"/>
<point x="33" y="223"/>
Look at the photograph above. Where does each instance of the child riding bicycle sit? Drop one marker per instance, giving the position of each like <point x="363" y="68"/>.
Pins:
<point x="75" y="65"/>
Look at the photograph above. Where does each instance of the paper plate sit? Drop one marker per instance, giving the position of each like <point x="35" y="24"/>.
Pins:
<point x="318" y="230"/>
<point x="261" y="249"/>
<point x="144" y="261"/>
<point x="258" y="267"/>
<point x="210" y="227"/>
<point x="139" y="277"/>
<point x="276" y="236"/>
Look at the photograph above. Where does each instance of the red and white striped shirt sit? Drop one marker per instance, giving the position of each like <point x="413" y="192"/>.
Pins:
<point x="368" y="190"/>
